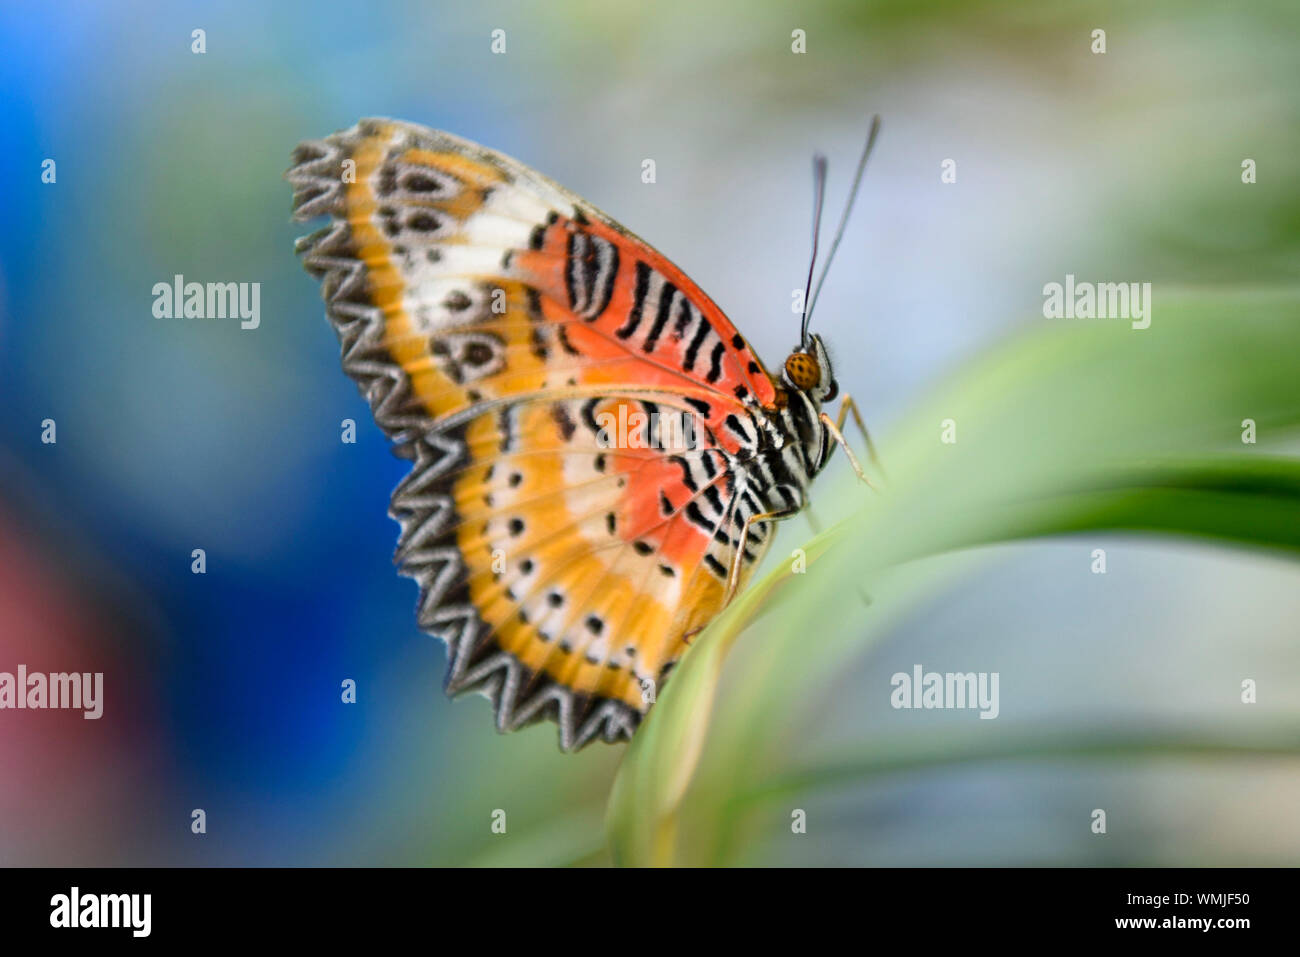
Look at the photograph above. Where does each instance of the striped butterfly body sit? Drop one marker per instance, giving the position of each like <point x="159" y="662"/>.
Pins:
<point x="597" y="453"/>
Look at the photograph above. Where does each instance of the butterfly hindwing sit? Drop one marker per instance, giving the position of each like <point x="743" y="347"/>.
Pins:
<point x="498" y="325"/>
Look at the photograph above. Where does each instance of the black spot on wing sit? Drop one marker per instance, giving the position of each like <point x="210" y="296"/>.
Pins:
<point x="563" y="420"/>
<point x="715" y="363"/>
<point x="667" y="293"/>
<point x="687" y="479"/>
<point x="693" y="350"/>
<point x="639" y="292"/>
<point x="700" y="406"/>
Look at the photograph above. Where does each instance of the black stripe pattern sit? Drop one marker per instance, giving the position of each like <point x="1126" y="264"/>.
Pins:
<point x="590" y="269"/>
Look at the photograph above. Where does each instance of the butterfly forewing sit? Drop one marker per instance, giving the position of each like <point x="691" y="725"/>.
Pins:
<point x="499" y="326"/>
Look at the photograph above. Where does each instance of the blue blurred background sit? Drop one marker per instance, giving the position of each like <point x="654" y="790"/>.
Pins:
<point x="223" y="689"/>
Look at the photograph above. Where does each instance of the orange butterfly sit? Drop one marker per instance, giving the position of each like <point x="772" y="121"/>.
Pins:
<point x="598" y="453"/>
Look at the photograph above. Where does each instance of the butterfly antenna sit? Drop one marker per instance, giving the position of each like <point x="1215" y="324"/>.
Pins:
<point x="819" y="196"/>
<point x="848" y="207"/>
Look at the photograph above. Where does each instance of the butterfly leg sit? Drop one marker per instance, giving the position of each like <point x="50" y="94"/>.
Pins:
<point x="733" y="574"/>
<point x="733" y="577"/>
<point x="847" y="405"/>
<point x="838" y="436"/>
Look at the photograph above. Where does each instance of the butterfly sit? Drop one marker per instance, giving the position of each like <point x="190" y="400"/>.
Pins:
<point x="529" y="355"/>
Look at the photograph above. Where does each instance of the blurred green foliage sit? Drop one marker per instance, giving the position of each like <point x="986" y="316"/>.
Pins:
<point x="1082" y="425"/>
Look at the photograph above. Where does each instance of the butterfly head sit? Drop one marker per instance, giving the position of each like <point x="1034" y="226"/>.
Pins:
<point x="808" y="369"/>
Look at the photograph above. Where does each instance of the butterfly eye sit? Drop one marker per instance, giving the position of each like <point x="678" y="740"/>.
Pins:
<point x="802" y="370"/>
